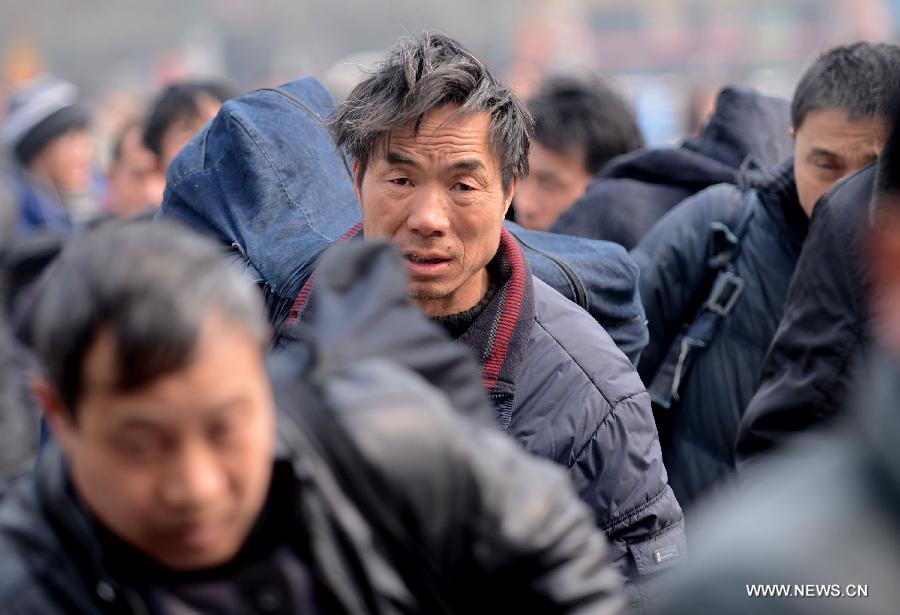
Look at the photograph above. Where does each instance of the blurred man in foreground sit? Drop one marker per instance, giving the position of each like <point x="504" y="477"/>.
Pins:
<point x="166" y="492"/>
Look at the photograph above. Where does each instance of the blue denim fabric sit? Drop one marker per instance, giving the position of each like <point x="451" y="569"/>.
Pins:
<point x="265" y="178"/>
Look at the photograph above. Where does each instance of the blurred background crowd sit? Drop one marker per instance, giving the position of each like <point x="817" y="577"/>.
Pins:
<point x="695" y="136"/>
<point x="667" y="57"/>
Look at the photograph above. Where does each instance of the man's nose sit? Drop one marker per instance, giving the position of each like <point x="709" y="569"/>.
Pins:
<point x="195" y="478"/>
<point x="429" y="215"/>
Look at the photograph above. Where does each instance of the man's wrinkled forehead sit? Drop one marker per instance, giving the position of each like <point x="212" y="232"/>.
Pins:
<point x="442" y="134"/>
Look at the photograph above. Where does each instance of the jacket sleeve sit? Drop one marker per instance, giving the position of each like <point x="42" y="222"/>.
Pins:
<point x="811" y="359"/>
<point x="645" y="524"/>
<point x="505" y="529"/>
<point x="672" y="261"/>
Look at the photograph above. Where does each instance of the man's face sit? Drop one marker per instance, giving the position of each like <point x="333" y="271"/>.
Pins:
<point x="67" y="161"/>
<point x="828" y="146"/>
<point x="134" y="181"/>
<point x="439" y="197"/>
<point x="179" y="469"/>
<point x="554" y="183"/>
<point x="180" y="132"/>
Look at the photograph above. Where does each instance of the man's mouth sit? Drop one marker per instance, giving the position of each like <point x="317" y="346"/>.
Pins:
<point x="426" y="265"/>
<point x="195" y="536"/>
<point x="431" y="260"/>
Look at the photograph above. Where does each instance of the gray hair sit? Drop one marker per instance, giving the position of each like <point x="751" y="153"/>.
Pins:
<point x="419" y="75"/>
<point x="152" y="285"/>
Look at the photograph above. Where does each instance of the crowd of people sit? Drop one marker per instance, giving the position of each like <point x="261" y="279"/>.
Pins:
<point x="436" y="349"/>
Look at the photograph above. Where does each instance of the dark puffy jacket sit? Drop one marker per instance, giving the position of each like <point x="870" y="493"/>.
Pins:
<point x="698" y="432"/>
<point x="579" y="401"/>
<point x="822" y="512"/>
<point x="264" y="177"/>
<point x="636" y="189"/>
<point x="494" y="528"/>
<point x="562" y="388"/>
<point x="815" y="352"/>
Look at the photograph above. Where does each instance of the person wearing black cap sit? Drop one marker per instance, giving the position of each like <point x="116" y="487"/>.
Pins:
<point x="51" y="149"/>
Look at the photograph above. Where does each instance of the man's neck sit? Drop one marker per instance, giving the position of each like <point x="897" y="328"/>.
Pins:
<point x="459" y="323"/>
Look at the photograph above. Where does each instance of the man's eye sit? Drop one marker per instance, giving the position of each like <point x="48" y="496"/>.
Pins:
<point x="140" y="448"/>
<point x="222" y="432"/>
<point x="400" y="181"/>
<point x="828" y="165"/>
<point x="462" y="187"/>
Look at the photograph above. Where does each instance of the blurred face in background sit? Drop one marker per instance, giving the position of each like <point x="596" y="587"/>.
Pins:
<point x="134" y="181"/>
<point x="829" y="146"/>
<point x="555" y="181"/>
<point x="182" y="130"/>
<point x="67" y="161"/>
<point x="179" y="468"/>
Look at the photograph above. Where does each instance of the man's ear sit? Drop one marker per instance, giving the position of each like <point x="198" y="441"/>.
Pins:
<point x="793" y="133"/>
<point x="510" y="194"/>
<point x="58" y="417"/>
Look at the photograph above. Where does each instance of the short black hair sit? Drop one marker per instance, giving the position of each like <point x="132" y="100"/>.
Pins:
<point x="587" y="114"/>
<point x="152" y="284"/>
<point x="178" y="103"/>
<point x="419" y="75"/>
<point x="862" y="79"/>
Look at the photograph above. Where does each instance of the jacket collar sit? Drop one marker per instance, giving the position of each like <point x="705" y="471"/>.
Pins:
<point x="777" y="190"/>
<point x="302" y="300"/>
<point x="325" y="524"/>
<point x="75" y="529"/>
<point x="499" y="336"/>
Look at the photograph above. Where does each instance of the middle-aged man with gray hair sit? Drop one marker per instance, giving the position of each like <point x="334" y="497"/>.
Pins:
<point x="438" y="146"/>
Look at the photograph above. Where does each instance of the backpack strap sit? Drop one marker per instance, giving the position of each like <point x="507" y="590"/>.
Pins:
<point x="726" y="288"/>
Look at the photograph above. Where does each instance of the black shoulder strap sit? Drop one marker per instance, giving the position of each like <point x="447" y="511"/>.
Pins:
<point x="725" y="289"/>
<point x="368" y="491"/>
